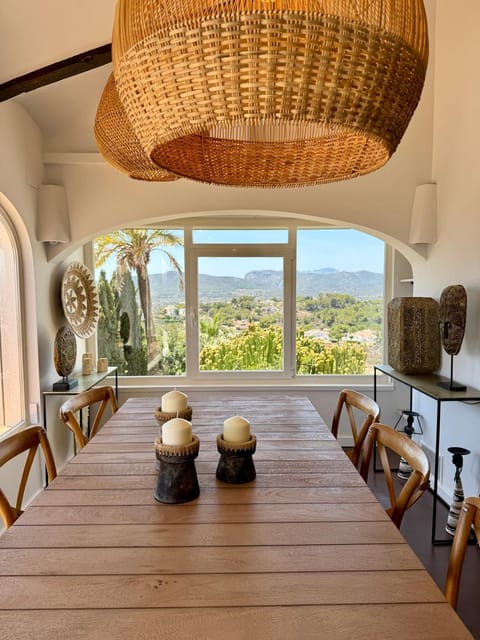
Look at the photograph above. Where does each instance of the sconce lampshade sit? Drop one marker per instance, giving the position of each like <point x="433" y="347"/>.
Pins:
<point x="117" y="142"/>
<point x="53" y="223"/>
<point x="269" y="92"/>
<point x="423" y="225"/>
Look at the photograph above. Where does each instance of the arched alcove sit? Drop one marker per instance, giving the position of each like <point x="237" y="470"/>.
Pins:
<point x="26" y="302"/>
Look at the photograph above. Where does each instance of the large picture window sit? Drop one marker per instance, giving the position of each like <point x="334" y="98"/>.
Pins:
<point x="204" y="300"/>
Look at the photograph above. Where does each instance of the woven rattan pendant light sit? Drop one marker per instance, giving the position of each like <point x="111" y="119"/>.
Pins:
<point x="117" y="142"/>
<point x="270" y="92"/>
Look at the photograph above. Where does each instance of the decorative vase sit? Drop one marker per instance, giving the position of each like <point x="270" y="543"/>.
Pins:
<point x="413" y="335"/>
<point x="458" y="494"/>
<point x="404" y="469"/>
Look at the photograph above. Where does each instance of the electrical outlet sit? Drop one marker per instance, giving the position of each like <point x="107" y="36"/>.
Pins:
<point x="431" y="457"/>
<point x="33" y="413"/>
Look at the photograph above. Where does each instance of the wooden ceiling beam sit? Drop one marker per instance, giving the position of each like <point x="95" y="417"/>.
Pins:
<point x="57" y="71"/>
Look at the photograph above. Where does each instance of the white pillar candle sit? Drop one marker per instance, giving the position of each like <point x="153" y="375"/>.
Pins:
<point x="174" y="401"/>
<point x="177" y="431"/>
<point x="236" y="429"/>
<point x="102" y="365"/>
<point x="87" y="364"/>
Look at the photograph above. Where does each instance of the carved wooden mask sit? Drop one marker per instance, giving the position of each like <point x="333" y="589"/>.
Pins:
<point x="453" y="312"/>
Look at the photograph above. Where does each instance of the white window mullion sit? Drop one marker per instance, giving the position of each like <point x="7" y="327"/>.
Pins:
<point x="289" y="295"/>
<point x="191" y="304"/>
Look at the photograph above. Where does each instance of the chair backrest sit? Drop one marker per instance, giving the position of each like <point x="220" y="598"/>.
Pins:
<point x="103" y="396"/>
<point x="469" y="516"/>
<point x="369" y="411"/>
<point x="26" y="440"/>
<point x="387" y="439"/>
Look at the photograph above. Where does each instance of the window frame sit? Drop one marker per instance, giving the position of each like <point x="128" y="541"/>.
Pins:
<point x="193" y="250"/>
<point x="196" y="251"/>
<point x="15" y="275"/>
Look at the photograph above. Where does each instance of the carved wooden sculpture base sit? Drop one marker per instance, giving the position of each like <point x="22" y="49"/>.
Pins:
<point x="177" y="476"/>
<point x="165" y="416"/>
<point x="236" y="464"/>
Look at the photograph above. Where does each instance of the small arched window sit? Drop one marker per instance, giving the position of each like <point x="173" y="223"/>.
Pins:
<point x="12" y="396"/>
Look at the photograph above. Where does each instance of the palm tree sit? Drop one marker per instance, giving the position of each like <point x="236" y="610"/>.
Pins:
<point x="210" y="327"/>
<point x="132" y="249"/>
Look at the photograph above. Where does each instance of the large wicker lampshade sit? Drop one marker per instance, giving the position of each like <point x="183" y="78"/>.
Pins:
<point x="117" y="142"/>
<point x="270" y="92"/>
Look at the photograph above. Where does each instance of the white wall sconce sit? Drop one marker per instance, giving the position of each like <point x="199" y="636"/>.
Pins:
<point x="53" y="224"/>
<point x="423" y="225"/>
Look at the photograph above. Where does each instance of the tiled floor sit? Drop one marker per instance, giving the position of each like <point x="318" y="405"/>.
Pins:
<point x="416" y="528"/>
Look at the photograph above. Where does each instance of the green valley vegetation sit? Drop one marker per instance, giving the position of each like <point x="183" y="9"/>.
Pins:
<point x="337" y="333"/>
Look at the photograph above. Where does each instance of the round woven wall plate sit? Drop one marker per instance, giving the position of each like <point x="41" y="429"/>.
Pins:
<point x="80" y="299"/>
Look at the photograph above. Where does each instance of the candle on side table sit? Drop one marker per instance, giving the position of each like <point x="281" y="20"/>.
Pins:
<point x="102" y="365"/>
<point x="177" y="432"/>
<point x="87" y="364"/>
<point x="236" y="429"/>
<point x="174" y="401"/>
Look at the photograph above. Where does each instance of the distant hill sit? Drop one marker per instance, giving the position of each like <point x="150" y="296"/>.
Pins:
<point x="268" y="284"/>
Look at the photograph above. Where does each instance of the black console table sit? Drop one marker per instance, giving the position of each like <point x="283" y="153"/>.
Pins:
<point x="428" y="384"/>
<point x="84" y="384"/>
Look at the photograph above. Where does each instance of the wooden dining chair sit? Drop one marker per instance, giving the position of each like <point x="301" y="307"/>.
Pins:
<point x="469" y="516"/>
<point x="25" y="440"/>
<point x="355" y="404"/>
<point x="385" y="438"/>
<point x="101" y="396"/>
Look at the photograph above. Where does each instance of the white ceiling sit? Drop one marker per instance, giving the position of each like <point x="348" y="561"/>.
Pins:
<point x="36" y="33"/>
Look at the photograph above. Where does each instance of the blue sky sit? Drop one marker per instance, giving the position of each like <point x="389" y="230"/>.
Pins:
<point x="341" y="249"/>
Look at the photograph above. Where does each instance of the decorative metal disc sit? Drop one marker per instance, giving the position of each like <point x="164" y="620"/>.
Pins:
<point x="80" y="299"/>
<point x="64" y="351"/>
<point x="453" y="312"/>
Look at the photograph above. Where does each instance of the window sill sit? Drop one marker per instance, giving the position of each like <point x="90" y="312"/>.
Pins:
<point x="10" y="431"/>
<point x="328" y="383"/>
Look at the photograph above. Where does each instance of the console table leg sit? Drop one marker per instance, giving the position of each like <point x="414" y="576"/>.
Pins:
<point x="435" y="482"/>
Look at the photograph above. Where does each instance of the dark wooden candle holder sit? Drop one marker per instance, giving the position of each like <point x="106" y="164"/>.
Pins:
<point x="236" y="463"/>
<point x="165" y="416"/>
<point x="177" y="476"/>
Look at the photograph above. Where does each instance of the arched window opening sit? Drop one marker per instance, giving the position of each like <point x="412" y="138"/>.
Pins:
<point x="12" y="399"/>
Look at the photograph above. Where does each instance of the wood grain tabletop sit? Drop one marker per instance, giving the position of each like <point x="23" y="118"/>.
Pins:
<point x="303" y="551"/>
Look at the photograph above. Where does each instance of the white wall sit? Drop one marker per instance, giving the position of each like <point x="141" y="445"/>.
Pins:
<point x="441" y="144"/>
<point x="21" y="171"/>
<point x="455" y="258"/>
<point x="101" y="198"/>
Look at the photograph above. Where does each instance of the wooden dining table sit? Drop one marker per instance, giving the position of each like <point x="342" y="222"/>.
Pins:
<point x="303" y="551"/>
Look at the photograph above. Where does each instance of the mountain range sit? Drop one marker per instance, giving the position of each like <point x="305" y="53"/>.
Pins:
<point x="268" y="284"/>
